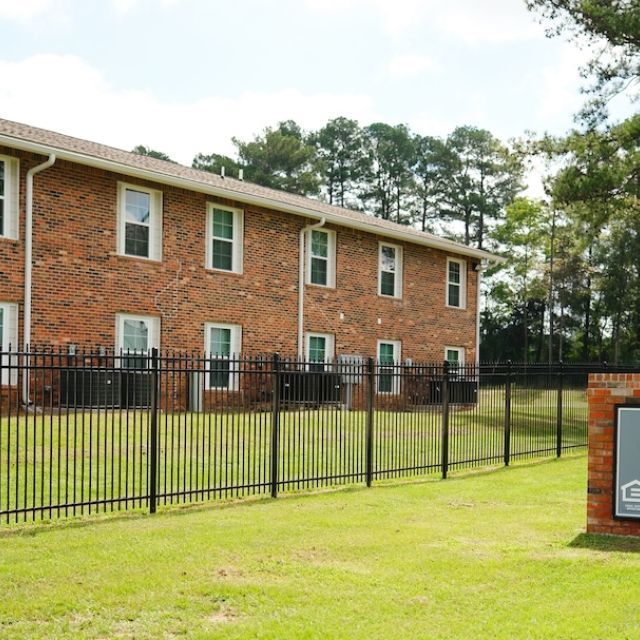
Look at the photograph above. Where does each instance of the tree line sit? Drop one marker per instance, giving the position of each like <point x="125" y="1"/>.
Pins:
<point x="570" y="287"/>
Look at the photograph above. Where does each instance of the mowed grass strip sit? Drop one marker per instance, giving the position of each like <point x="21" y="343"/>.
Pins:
<point x="491" y="555"/>
<point x="62" y="459"/>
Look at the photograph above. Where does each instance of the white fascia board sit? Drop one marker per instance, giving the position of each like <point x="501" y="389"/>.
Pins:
<point x="268" y="203"/>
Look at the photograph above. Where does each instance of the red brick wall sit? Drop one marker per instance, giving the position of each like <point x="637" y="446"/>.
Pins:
<point x="80" y="282"/>
<point x="605" y="391"/>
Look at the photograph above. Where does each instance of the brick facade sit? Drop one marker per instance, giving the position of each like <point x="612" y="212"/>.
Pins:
<point x="605" y="391"/>
<point x="80" y="282"/>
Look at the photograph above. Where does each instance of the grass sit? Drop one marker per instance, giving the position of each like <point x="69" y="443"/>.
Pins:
<point x="82" y="457"/>
<point x="489" y="555"/>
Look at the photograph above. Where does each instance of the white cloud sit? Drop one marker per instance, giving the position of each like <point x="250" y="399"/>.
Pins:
<point x="24" y="10"/>
<point x="123" y="7"/>
<point x="66" y="94"/>
<point x="467" y="20"/>
<point x="411" y="65"/>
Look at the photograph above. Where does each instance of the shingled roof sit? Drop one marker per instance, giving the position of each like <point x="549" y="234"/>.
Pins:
<point x="26" y="137"/>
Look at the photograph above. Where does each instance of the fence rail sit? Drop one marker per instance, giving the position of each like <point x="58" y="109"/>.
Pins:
<point x="94" y="432"/>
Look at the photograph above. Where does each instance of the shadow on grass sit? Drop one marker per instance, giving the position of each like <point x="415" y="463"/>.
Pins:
<point x="597" y="542"/>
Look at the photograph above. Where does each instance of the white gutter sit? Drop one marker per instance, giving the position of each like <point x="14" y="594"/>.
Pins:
<point x="262" y="201"/>
<point x="301" y="282"/>
<point x="28" y="265"/>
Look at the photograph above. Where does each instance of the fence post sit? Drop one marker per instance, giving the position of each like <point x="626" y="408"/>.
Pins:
<point x="559" y="411"/>
<point x="445" y="420"/>
<point x="370" y="403"/>
<point x="507" y="415"/>
<point x="275" y="424"/>
<point x="153" y="454"/>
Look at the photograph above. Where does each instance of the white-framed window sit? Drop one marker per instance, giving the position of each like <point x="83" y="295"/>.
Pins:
<point x="136" y="336"/>
<point x="321" y="257"/>
<point x="8" y="338"/>
<point x="224" y="238"/>
<point x="389" y="353"/>
<point x="456" y="283"/>
<point x="222" y="343"/>
<point x="9" y="193"/>
<point x="320" y="350"/>
<point x="139" y="221"/>
<point x="454" y="355"/>
<point x="390" y="270"/>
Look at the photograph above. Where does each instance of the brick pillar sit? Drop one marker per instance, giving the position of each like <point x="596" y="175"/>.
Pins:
<point x="605" y="391"/>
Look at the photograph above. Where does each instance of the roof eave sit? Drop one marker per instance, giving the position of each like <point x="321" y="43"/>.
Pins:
<point x="269" y="203"/>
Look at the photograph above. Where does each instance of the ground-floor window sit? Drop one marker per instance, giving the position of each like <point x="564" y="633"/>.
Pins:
<point x="320" y="350"/>
<point x="223" y="343"/>
<point x="388" y="358"/>
<point x="8" y="339"/>
<point x="135" y="337"/>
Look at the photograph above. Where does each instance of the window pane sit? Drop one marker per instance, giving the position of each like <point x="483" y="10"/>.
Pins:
<point x="136" y="240"/>
<point x="1" y="198"/>
<point x="222" y="255"/>
<point x="219" y="374"/>
<point x="454" y="295"/>
<point x="387" y="283"/>
<point x="1" y="178"/>
<point x="318" y="271"/>
<point x="386" y="353"/>
<point x="135" y="335"/>
<point x="2" y="345"/>
<point x="137" y="206"/>
<point x="317" y="348"/>
<point x="220" y="343"/>
<point x="320" y="244"/>
<point x="222" y="224"/>
<point x="1" y="217"/>
<point x="388" y="259"/>
<point x="454" y="272"/>
<point x="453" y="356"/>
<point x="385" y="381"/>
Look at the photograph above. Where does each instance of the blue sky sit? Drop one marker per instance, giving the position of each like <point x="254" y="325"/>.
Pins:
<point x="184" y="76"/>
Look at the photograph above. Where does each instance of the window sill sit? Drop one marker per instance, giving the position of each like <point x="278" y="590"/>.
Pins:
<point x="124" y="256"/>
<point x="450" y="306"/>
<point x="9" y="239"/>
<point x="224" y="271"/>
<point x="321" y="286"/>
<point x="385" y="297"/>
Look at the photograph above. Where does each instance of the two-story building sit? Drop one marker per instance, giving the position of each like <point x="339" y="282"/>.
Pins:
<point x="104" y="248"/>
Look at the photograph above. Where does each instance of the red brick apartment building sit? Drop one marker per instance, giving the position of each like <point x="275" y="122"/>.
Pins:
<point x="104" y="248"/>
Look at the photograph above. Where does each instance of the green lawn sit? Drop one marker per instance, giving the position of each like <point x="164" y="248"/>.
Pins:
<point x="59" y="459"/>
<point x="497" y="554"/>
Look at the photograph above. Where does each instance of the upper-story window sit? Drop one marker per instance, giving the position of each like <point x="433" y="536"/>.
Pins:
<point x="224" y="238"/>
<point x="390" y="270"/>
<point x="456" y="283"/>
<point x="321" y="265"/>
<point x="140" y="223"/>
<point x="9" y="187"/>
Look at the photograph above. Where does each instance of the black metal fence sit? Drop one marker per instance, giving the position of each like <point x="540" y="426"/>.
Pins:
<point x="96" y="432"/>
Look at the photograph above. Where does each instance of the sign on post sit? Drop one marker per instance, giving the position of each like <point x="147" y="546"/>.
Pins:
<point x="626" y="486"/>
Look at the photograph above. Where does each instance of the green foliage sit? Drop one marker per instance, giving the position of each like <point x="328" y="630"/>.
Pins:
<point x="281" y="158"/>
<point x="612" y="30"/>
<point x="340" y="150"/>
<point x="388" y="179"/>
<point x="214" y="162"/>
<point x="141" y="150"/>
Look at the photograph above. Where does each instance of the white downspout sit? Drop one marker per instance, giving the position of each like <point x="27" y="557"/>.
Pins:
<point x="301" y="279"/>
<point x="479" y="269"/>
<point x="28" y="258"/>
